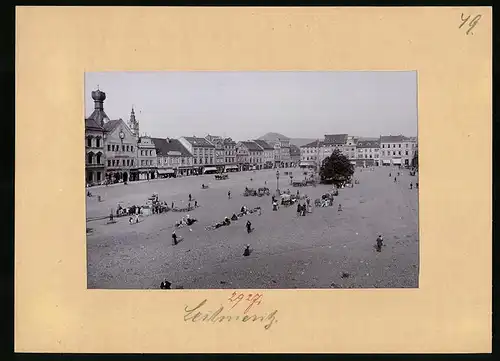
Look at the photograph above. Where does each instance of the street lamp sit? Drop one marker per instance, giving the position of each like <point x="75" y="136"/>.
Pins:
<point x="277" y="180"/>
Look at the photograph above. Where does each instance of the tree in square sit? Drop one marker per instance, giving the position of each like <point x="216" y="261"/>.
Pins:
<point x="336" y="169"/>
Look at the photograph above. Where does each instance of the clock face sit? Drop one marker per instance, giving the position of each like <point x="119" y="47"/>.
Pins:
<point x="122" y="135"/>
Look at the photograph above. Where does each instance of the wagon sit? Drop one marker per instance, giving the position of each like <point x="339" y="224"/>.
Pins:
<point x="263" y="191"/>
<point x="221" y="176"/>
<point x="299" y="183"/>
<point x="249" y="192"/>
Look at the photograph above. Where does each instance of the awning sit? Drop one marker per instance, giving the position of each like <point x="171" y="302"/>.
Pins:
<point x="209" y="169"/>
<point x="231" y="167"/>
<point x="385" y="161"/>
<point x="307" y="164"/>
<point x="165" y="171"/>
<point x="396" y="161"/>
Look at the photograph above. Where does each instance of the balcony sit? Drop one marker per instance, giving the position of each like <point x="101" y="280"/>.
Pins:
<point x="94" y="165"/>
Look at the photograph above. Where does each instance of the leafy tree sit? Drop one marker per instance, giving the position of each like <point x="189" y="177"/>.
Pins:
<point x="336" y="169"/>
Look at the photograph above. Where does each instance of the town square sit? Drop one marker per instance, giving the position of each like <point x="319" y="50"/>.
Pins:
<point x="244" y="208"/>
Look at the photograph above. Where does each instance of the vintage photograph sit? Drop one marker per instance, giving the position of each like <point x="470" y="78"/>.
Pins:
<point x="251" y="180"/>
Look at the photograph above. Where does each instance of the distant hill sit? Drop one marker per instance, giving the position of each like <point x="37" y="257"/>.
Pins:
<point x="273" y="136"/>
<point x="295" y="141"/>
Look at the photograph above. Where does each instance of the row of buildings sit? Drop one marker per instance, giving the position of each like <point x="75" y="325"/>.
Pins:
<point x="384" y="150"/>
<point x="115" y="151"/>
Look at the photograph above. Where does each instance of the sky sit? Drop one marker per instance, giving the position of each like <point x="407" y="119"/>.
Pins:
<point x="246" y="105"/>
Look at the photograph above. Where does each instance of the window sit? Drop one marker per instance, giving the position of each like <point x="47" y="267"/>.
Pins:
<point x="406" y="145"/>
<point x="123" y="162"/>
<point x="131" y="148"/>
<point x="98" y="158"/>
<point x="109" y="163"/>
<point x="399" y="145"/>
<point x="89" y="142"/>
<point x="371" y="156"/>
<point x="394" y="152"/>
<point x="98" y="144"/>
<point x="150" y="152"/>
<point x="123" y="148"/>
<point x="195" y="161"/>
<point x="109" y="148"/>
<point x="406" y="152"/>
<point x="89" y="158"/>
<point x="128" y="162"/>
<point x="98" y="176"/>
<point x="142" y="162"/>
<point x="127" y="147"/>
<point x="399" y="152"/>
<point x="383" y="145"/>
<point x="132" y="162"/>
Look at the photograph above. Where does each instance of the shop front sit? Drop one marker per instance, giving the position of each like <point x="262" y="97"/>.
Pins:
<point x="209" y="170"/>
<point x="231" y="168"/>
<point x="166" y="173"/>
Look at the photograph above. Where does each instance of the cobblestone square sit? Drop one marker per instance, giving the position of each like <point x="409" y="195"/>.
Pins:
<point x="324" y="249"/>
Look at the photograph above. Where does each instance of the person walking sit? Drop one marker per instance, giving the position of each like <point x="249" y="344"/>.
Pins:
<point x="195" y="204"/>
<point x="228" y="194"/>
<point x="411" y="185"/>
<point x="249" y="226"/>
<point x="380" y="242"/>
<point x="190" y="197"/>
<point x="174" y="238"/>
<point x="416" y="185"/>
<point x="299" y="209"/>
<point x="395" y="180"/>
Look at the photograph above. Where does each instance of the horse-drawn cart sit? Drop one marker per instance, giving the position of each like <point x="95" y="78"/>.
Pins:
<point x="221" y="176"/>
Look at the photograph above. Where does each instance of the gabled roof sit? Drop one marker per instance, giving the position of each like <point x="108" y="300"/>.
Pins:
<point x="91" y="124"/>
<point x="263" y="144"/>
<point x="163" y="146"/>
<point x="112" y="124"/>
<point x="252" y="146"/>
<point x="199" y="142"/>
<point x="368" y="143"/>
<point x="335" y="138"/>
<point x="392" y="138"/>
<point x="294" y="150"/>
<point x="229" y="141"/>
<point x="313" y="144"/>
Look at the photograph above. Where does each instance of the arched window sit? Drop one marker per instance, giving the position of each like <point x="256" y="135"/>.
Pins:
<point x="98" y="142"/>
<point x="98" y="156"/>
<point x="89" y="141"/>
<point x="90" y="158"/>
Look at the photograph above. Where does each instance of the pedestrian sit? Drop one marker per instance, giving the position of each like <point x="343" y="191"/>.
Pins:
<point x="380" y="242"/>
<point x="174" y="238"/>
<point x="395" y="180"/>
<point x="165" y="285"/>
<point x="303" y="210"/>
<point x="172" y="205"/>
<point x="189" y="205"/>
<point x="299" y="208"/>
<point x="246" y="252"/>
<point x="190" y="197"/>
<point x="229" y="195"/>
<point x="195" y="204"/>
<point x="398" y="174"/>
<point x="275" y="206"/>
<point x="411" y="185"/>
<point x="249" y="226"/>
<point x="260" y="211"/>
<point x="390" y="175"/>
<point x="416" y="185"/>
<point x="340" y="207"/>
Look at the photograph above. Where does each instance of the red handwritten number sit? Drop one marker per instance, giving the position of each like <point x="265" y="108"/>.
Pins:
<point x="471" y="24"/>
